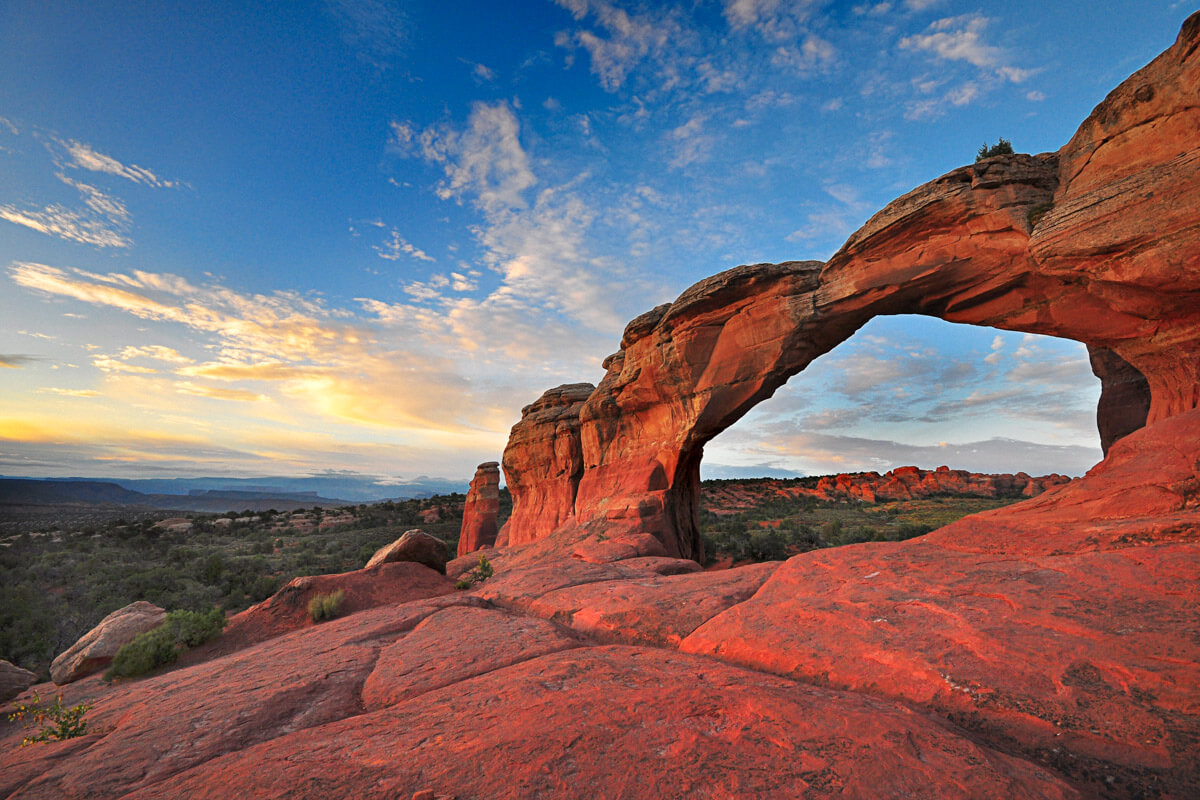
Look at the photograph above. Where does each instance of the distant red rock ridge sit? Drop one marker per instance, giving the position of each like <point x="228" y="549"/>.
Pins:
<point x="901" y="483"/>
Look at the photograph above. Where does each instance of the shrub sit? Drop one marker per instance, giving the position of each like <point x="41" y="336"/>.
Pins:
<point x="478" y="575"/>
<point x="767" y="545"/>
<point x="1001" y="148"/>
<point x="161" y="646"/>
<point x="53" y="722"/>
<point x="325" y="606"/>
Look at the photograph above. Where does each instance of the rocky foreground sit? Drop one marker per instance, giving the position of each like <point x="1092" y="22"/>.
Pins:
<point x="1049" y="649"/>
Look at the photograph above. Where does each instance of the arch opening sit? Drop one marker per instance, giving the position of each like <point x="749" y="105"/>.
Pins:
<point x="908" y="390"/>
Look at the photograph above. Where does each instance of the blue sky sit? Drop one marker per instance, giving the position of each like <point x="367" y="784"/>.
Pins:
<point x="244" y="238"/>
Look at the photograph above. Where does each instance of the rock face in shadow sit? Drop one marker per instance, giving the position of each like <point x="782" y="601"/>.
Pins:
<point x="480" y="510"/>
<point x="1099" y="242"/>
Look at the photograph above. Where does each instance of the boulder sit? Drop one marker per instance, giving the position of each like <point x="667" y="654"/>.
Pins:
<point x="413" y="545"/>
<point x="14" y="680"/>
<point x="480" y="510"/>
<point x="95" y="649"/>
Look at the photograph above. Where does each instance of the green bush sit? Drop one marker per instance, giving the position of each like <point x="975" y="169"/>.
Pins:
<point x="161" y="646"/>
<point x="1001" y="148"/>
<point x="477" y="575"/>
<point x="325" y="606"/>
<point x="52" y="722"/>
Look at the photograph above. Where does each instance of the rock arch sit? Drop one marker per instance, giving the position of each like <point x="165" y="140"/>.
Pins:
<point x="1098" y="242"/>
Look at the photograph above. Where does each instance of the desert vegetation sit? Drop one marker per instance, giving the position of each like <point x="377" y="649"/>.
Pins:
<point x="58" y="582"/>
<point x="1001" y="148"/>
<point x="758" y="522"/>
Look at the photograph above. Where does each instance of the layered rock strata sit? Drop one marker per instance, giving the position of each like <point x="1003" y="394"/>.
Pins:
<point x="542" y="464"/>
<point x="481" y="509"/>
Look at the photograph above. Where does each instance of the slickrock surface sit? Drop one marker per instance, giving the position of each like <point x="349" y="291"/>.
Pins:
<point x="287" y="609"/>
<point x="480" y="510"/>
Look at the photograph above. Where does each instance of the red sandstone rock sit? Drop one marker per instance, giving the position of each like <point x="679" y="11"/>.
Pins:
<point x="654" y="610"/>
<point x="414" y="545"/>
<point x="542" y="464"/>
<point x="14" y="680"/>
<point x="1054" y="623"/>
<point x="622" y="722"/>
<point x="455" y="644"/>
<point x="151" y="729"/>
<point x="95" y="649"/>
<point x="1113" y="263"/>
<point x="287" y="609"/>
<point x="480" y="510"/>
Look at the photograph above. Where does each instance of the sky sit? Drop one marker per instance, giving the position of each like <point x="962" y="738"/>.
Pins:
<point x="330" y="236"/>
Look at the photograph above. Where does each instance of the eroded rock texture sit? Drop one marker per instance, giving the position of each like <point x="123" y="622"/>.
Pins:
<point x="480" y="510"/>
<point x="1099" y="242"/>
<point x="542" y="464"/>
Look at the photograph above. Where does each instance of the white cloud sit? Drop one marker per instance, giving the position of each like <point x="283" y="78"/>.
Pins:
<point x="960" y="38"/>
<point x="627" y="40"/>
<point x="485" y="162"/>
<point x="72" y="225"/>
<point x="84" y="157"/>
<point x="396" y="247"/>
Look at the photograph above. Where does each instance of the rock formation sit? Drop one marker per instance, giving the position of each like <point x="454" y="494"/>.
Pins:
<point x="480" y="510"/>
<point x="414" y="545"/>
<point x="542" y="464"/>
<point x="94" y="650"/>
<point x="14" y="680"/>
<point x="1098" y="242"/>
<point x="1046" y="649"/>
<point x="902" y="483"/>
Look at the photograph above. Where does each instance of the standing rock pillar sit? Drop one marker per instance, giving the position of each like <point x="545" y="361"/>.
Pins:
<point x="480" y="510"/>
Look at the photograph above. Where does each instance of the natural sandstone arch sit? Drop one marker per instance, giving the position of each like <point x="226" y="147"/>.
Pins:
<point x="1098" y="242"/>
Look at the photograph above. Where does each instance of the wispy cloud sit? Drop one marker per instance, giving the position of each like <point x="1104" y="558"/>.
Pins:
<point x="376" y="29"/>
<point x="103" y="220"/>
<point x="84" y="156"/>
<point x="85" y="393"/>
<point x="84" y="227"/>
<point x="396" y="247"/>
<point x="534" y="236"/>
<point x="961" y="39"/>
<point x="14" y="361"/>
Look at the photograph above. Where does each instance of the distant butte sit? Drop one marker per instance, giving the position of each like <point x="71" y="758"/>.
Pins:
<point x="1047" y="649"/>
